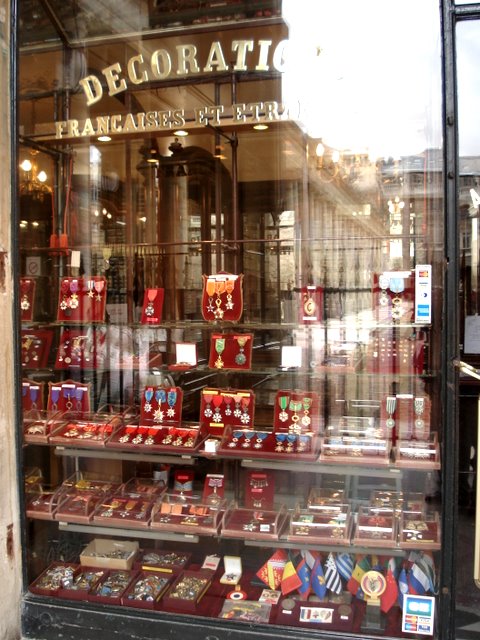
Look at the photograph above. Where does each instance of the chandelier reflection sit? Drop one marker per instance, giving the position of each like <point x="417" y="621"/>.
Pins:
<point x="33" y="182"/>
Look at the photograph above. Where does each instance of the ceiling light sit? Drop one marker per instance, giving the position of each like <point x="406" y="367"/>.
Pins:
<point x="104" y="138"/>
<point x="181" y="133"/>
<point x="260" y="127"/>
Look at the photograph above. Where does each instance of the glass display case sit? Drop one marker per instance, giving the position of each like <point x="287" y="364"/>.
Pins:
<point x="230" y="323"/>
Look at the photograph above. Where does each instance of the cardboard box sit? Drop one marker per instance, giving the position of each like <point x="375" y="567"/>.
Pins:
<point x="109" y="554"/>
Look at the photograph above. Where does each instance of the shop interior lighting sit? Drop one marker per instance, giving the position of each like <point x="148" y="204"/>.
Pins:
<point x="260" y="127"/>
<point x="33" y="181"/>
<point x="104" y="138"/>
<point x="152" y="157"/>
<point x="181" y="133"/>
<point x="219" y="152"/>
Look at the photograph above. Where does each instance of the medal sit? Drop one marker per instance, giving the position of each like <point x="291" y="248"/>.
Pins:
<point x="171" y="401"/>
<point x="419" y="407"/>
<point x="229" y="287"/>
<point x="219" y="348"/>
<point x="210" y="290"/>
<point x="241" y="358"/>
<point x="99" y="286"/>
<point x="207" y="412"/>
<point x="147" y="407"/>
<point x="245" y="416"/>
<point x="217" y="403"/>
<point x="309" y="306"/>
<point x="73" y="301"/>
<point x="390" y="405"/>
<point x="307" y="404"/>
<point x="219" y="289"/>
<point x="283" y="403"/>
<point x="150" y="308"/>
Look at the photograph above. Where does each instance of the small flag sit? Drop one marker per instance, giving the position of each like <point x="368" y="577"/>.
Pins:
<point x="332" y="578"/>
<point x="318" y="578"/>
<point x="290" y="579"/>
<point x="304" y="573"/>
<point x="390" y="596"/>
<point x="345" y="565"/>
<point x="425" y="561"/>
<point x="402" y="586"/>
<point x="361" y="567"/>
<point x="271" y="572"/>
<point x="418" y="580"/>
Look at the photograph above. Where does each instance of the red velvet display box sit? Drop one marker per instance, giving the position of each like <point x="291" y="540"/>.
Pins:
<point x="231" y="351"/>
<point x="419" y="530"/>
<point x="393" y="500"/>
<point x="394" y="296"/>
<point x="84" y="580"/>
<point x="409" y="416"/>
<point x="163" y="561"/>
<point x="254" y="524"/>
<point x="297" y="411"/>
<point x="311" y="304"/>
<point x="222" y="297"/>
<point x="36" y="344"/>
<point x="356" y="426"/>
<point x="355" y="451"/>
<point x="27" y="298"/>
<point x="143" y="487"/>
<point x="117" y="510"/>
<point x="340" y="357"/>
<point x="188" y="514"/>
<point x="330" y="526"/>
<point x="247" y="443"/>
<point x="85" y="430"/>
<point x="50" y="581"/>
<point x="161" y="406"/>
<point x="32" y="395"/>
<point x="78" y="507"/>
<point x="259" y="489"/>
<point x="398" y="351"/>
<point x="82" y="299"/>
<point x="152" y="306"/>
<point x="418" y="454"/>
<point x="68" y="395"/>
<point x="146" y="590"/>
<point x="38" y="425"/>
<point x="182" y="439"/>
<point x="112" y="587"/>
<point x="80" y="495"/>
<point x="42" y="502"/>
<point x="187" y="591"/>
<point x="213" y="488"/>
<point x="221" y="408"/>
<point x="81" y="349"/>
<point x="375" y="529"/>
<point x="321" y="498"/>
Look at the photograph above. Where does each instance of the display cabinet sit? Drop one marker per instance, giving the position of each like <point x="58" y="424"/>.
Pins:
<point x="229" y="345"/>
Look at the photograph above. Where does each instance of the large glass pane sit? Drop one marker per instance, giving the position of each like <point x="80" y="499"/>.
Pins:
<point x="468" y="595"/>
<point x="231" y="237"/>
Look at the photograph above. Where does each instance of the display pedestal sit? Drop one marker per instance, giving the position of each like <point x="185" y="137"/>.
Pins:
<point x="373" y="584"/>
<point x="373" y="617"/>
